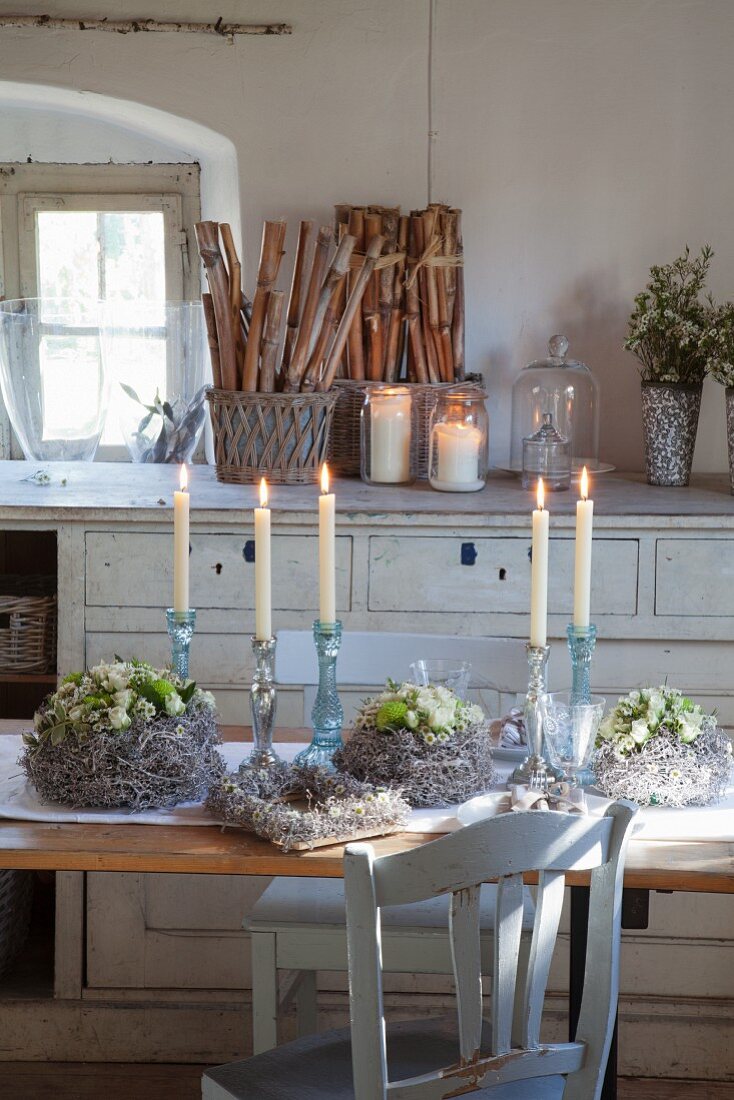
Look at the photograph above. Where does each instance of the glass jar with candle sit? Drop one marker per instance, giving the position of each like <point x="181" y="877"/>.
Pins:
<point x="459" y="442"/>
<point x="386" y="436"/>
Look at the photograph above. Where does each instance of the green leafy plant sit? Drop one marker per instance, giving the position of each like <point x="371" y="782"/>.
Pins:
<point x="167" y="431"/>
<point x="668" y="324"/>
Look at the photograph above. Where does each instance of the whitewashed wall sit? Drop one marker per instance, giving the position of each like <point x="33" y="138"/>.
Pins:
<point x="585" y="140"/>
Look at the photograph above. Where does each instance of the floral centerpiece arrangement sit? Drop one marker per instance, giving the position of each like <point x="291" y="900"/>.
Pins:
<point x="123" y="734"/>
<point x="299" y="807"/>
<point x="659" y="748"/>
<point x="667" y="331"/>
<point x="426" y="741"/>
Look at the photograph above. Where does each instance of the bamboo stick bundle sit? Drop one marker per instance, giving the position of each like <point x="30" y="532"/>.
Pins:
<point x="458" y="322"/>
<point x="207" y="236"/>
<point x="374" y="334"/>
<point x="293" y="317"/>
<point x="363" y="277"/>
<point x="328" y="297"/>
<point x="355" y="341"/>
<point x="299" y="357"/>
<point x="235" y="291"/>
<point x="271" y="341"/>
<point x="448" y="220"/>
<point x="417" y="362"/>
<point x="390" y="223"/>
<point x="271" y="254"/>
<point x="431" y="246"/>
<point x="396" y="326"/>
<point x="429" y="347"/>
<point x="211" y="336"/>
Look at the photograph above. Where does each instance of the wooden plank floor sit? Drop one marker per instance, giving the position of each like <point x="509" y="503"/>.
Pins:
<point x="90" y="1081"/>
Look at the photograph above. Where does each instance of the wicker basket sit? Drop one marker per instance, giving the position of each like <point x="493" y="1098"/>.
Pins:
<point x="16" y="897"/>
<point x="280" y="436"/>
<point x="344" y="440"/>
<point x="27" y="623"/>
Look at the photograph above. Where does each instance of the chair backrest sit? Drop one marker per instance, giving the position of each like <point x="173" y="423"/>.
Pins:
<point x="503" y="848"/>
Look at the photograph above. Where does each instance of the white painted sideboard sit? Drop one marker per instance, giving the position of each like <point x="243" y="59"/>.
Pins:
<point x="169" y="949"/>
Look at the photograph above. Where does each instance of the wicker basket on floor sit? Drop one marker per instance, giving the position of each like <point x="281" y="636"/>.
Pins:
<point x="280" y="436"/>
<point x="27" y="623"/>
<point x="16" y="897"/>
<point x="344" y="457"/>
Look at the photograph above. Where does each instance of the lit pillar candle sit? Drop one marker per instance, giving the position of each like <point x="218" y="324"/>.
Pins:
<point x="457" y="456"/>
<point x="181" y="545"/>
<point x="390" y="435"/>
<point x="263" y="609"/>
<point x="539" y="573"/>
<point x="584" y="534"/>
<point x="327" y="551"/>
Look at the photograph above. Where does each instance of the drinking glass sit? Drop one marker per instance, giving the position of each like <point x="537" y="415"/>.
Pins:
<point x="444" y="673"/>
<point x="569" y="730"/>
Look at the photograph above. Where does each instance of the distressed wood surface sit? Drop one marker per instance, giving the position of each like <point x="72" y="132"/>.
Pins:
<point x="96" y="490"/>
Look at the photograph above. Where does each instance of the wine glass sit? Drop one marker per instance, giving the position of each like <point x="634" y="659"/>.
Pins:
<point x="570" y="729"/>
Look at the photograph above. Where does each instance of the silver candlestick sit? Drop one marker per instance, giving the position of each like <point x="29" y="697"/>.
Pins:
<point x="535" y="769"/>
<point x="180" y="630"/>
<point x="263" y="703"/>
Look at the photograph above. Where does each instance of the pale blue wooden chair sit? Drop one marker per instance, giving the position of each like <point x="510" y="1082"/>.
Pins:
<point x="299" y="925"/>
<point x="503" y="1058"/>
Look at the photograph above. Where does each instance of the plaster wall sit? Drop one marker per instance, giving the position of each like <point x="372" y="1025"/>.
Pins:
<point x="585" y="140"/>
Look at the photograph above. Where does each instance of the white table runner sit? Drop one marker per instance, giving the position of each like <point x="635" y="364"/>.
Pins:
<point x="18" y="800"/>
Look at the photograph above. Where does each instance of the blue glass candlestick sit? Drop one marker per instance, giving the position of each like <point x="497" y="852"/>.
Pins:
<point x="327" y="715"/>
<point x="263" y="702"/>
<point x="581" y="643"/>
<point x="180" y="630"/>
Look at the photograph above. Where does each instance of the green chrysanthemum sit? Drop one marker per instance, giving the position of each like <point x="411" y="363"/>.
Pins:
<point x="391" y="715"/>
<point x="73" y="678"/>
<point x="156" y="692"/>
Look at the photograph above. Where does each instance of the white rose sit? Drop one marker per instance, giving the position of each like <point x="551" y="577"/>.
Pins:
<point x="640" y="731"/>
<point x="117" y="679"/>
<point x="175" y="705"/>
<point x="119" y="718"/>
<point x="689" y="730"/>
<point x="411" y="719"/>
<point x="123" y="698"/>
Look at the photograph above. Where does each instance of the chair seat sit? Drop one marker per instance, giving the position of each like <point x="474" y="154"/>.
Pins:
<point x="319" y="902"/>
<point x="319" y="1067"/>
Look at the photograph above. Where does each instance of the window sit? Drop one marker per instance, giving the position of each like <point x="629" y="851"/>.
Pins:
<point x="99" y="233"/>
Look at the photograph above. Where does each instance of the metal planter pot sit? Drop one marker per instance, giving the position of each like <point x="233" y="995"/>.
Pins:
<point x="669" y="424"/>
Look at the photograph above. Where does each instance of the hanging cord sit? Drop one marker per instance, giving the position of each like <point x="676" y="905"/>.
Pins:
<point x="432" y="134"/>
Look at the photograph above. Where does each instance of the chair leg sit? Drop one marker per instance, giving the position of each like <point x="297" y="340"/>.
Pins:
<point x="307" y="1014"/>
<point x="264" y="992"/>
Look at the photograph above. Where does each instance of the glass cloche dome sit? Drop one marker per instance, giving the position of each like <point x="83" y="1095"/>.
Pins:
<point x="566" y="390"/>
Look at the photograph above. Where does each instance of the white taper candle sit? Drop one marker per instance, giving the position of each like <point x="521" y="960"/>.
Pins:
<point x="263" y="602"/>
<point x="181" y="545"/>
<point x="327" y="551"/>
<point x="584" y="536"/>
<point x="539" y="573"/>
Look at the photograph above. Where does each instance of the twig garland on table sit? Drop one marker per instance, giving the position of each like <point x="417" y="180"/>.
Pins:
<point x="335" y="807"/>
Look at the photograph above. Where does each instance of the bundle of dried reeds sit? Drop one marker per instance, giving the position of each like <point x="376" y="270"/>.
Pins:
<point x="245" y="337"/>
<point x="411" y="324"/>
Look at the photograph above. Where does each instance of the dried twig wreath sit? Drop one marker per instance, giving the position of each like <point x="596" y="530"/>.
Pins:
<point x="303" y="807"/>
<point x="423" y="741"/>
<point x="123" y="734"/>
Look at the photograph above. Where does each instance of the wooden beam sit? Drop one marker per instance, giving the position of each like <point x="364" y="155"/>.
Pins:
<point x="136" y="26"/>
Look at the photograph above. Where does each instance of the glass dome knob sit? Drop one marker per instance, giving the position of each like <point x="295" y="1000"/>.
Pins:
<point x="558" y="346"/>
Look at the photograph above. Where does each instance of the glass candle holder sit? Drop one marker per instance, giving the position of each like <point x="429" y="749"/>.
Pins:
<point x="547" y="454"/>
<point x="459" y="440"/>
<point x="386" y="435"/>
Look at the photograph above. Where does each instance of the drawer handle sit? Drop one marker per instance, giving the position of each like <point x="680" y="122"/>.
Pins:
<point x="248" y="550"/>
<point x="468" y="553"/>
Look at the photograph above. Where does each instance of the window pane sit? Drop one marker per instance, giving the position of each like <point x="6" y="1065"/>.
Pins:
<point x="67" y="395"/>
<point x="104" y="255"/>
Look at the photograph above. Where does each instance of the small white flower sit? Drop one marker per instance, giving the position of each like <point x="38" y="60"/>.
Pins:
<point x="640" y="731"/>
<point x="76" y="713"/>
<point x="207" y="698"/>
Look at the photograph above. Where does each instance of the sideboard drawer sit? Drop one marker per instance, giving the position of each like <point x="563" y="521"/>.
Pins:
<point x="136" y="570"/>
<point x="485" y="574"/>
<point x="694" y="577"/>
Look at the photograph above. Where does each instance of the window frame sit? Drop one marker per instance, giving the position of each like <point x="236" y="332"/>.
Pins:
<point x="26" y="189"/>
